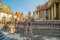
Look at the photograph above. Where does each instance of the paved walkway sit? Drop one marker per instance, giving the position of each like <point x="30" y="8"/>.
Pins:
<point x="16" y="36"/>
<point x="39" y="37"/>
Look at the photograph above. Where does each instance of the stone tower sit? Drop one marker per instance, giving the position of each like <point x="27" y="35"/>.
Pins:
<point x="29" y="14"/>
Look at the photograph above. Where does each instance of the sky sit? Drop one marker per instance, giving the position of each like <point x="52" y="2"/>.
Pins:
<point x="23" y="6"/>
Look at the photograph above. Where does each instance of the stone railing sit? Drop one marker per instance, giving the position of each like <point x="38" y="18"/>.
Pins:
<point x="49" y="27"/>
<point x="55" y="23"/>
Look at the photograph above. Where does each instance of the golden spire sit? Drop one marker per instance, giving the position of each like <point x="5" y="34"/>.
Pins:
<point x="1" y="4"/>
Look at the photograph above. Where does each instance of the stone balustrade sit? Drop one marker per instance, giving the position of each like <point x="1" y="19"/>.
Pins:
<point x="49" y="27"/>
<point x="55" y="23"/>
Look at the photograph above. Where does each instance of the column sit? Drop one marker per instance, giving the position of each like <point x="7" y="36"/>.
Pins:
<point x="44" y="18"/>
<point x="59" y="11"/>
<point x="38" y="15"/>
<point x="49" y="14"/>
<point x="54" y="11"/>
<point x="44" y="13"/>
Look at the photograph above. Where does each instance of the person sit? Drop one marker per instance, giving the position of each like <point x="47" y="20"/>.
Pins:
<point x="12" y="28"/>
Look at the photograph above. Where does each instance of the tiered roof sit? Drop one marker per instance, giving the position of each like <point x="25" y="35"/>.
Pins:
<point x="41" y="7"/>
<point x="18" y="14"/>
<point x="5" y="9"/>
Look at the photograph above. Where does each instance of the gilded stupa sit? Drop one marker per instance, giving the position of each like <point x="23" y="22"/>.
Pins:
<point x="20" y="15"/>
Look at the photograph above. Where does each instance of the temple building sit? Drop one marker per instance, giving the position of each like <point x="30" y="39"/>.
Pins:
<point x="20" y="16"/>
<point x="35" y="15"/>
<point x="5" y="11"/>
<point x="50" y="10"/>
<point x="53" y="10"/>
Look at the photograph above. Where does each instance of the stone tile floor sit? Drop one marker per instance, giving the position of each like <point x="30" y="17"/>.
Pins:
<point x="19" y="37"/>
<point x="16" y="36"/>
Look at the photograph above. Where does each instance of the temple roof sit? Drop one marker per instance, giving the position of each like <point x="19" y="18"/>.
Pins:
<point x="47" y="5"/>
<point x="8" y="10"/>
<point x="18" y="14"/>
<point x="5" y="9"/>
<point x="41" y="7"/>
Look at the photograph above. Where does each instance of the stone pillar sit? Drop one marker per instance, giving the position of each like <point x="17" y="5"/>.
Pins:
<point x="44" y="13"/>
<point x="54" y="11"/>
<point x="59" y="11"/>
<point x="38" y="15"/>
<point x="49" y="14"/>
